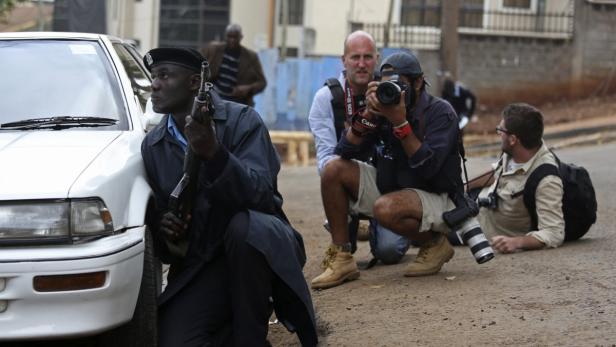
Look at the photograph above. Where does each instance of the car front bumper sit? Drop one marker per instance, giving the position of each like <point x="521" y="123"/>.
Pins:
<point x="30" y="314"/>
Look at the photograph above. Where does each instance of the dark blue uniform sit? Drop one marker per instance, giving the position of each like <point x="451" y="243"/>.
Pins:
<point x="242" y="248"/>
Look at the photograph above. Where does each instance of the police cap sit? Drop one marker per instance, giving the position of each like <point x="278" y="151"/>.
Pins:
<point x="185" y="57"/>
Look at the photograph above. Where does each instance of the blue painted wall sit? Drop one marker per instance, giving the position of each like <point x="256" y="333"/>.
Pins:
<point x="291" y="86"/>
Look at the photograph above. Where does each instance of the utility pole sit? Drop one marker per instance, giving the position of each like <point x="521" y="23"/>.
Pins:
<point x="449" y="37"/>
<point x="388" y="24"/>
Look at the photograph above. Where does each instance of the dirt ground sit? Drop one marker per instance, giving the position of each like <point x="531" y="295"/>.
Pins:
<point x="558" y="297"/>
<point x="554" y="113"/>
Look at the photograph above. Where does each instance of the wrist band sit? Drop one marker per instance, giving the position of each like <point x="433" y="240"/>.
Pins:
<point x="401" y="125"/>
<point x="402" y="131"/>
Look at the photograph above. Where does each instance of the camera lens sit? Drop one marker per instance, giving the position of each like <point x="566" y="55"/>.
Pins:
<point x="488" y="202"/>
<point x="388" y="93"/>
<point x="474" y="238"/>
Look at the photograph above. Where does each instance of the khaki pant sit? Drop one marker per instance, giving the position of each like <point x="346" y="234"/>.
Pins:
<point x="433" y="205"/>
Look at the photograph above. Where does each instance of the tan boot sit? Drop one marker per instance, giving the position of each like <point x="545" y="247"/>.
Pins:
<point x="340" y="267"/>
<point x="330" y="253"/>
<point x="430" y="258"/>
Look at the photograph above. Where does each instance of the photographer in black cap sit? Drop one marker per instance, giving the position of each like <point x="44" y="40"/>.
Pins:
<point x="243" y="258"/>
<point x="418" y="169"/>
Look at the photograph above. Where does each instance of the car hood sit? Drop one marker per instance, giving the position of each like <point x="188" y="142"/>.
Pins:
<point x="44" y="164"/>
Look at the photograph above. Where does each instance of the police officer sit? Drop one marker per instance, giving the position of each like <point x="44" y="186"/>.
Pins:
<point x="242" y="251"/>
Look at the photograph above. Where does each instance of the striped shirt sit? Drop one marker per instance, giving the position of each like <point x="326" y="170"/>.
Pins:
<point x="227" y="75"/>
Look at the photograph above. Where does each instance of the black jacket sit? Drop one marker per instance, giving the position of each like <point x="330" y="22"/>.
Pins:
<point x="243" y="178"/>
<point x="435" y="167"/>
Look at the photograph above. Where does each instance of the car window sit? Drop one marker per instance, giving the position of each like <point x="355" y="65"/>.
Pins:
<point x="58" y="78"/>
<point x="139" y="79"/>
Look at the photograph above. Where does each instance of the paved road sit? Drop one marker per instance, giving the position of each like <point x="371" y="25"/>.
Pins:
<point x="553" y="297"/>
<point x="563" y="296"/>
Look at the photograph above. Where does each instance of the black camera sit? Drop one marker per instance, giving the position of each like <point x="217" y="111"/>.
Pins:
<point x="489" y="201"/>
<point x="389" y="92"/>
<point x="460" y="219"/>
<point x="465" y="208"/>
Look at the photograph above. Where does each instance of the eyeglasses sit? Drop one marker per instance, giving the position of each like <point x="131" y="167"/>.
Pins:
<point x="501" y="130"/>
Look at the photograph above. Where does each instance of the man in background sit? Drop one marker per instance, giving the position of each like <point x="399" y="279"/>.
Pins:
<point x="235" y="70"/>
<point x="461" y="98"/>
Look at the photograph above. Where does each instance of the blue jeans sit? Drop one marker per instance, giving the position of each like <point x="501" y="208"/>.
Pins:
<point x="386" y="245"/>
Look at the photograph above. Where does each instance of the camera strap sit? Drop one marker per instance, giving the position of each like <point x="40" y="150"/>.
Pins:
<point x="500" y="174"/>
<point x="338" y="106"/>
<point x="467" y="184"/>
<point x="348" y="98"/>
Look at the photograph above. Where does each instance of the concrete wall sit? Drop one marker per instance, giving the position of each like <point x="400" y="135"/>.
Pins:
<point x="134" y="20"/>
<point x="146" y="24"/>
<point x="503" y="69"/>
<point x="597" y="45"/>
<point x="253" y="16"/>
<point x="329" y="20"/>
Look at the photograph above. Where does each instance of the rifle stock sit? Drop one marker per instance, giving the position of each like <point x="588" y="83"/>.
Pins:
<point x="183" y="195"/>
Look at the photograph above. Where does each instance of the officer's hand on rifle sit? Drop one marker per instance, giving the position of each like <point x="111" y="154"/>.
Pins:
<point x="201" y="137"/>
<point x="172" y="226"/>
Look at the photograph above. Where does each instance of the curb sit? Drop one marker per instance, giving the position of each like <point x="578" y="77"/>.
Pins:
<point x="557" y="138"/>
<point x="591" y="135"/>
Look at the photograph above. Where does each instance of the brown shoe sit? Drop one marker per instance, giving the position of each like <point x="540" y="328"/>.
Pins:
<point x="339" y="268"/>
<point x="430" y="258"/>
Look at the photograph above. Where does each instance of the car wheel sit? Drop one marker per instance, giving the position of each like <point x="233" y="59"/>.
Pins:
<point x="141" y="331"/>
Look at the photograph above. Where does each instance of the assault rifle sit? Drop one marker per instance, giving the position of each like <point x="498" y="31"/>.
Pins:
<point x="183" y="195"/>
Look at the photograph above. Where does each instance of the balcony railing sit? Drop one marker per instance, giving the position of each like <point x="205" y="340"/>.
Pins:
<point x="515" y="23"/>
<point x="407" y="36"/>
<point x="421" y="26"/>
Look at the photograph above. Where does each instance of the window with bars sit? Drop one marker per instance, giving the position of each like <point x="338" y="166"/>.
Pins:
<point x="192" y="23"/>
<point x="517" y="4"/>
<point x="296" y="12"/>
<point x="420" y="13"/>
<point x="471" y="13"/>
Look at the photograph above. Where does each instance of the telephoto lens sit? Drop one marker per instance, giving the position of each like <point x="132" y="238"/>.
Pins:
<point x="388" y="92"/>
<point x="470" y="232"/>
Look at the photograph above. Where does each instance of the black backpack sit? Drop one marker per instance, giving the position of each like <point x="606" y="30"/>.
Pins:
<point x="579" y="200"/>
<point x="337" y="104"/>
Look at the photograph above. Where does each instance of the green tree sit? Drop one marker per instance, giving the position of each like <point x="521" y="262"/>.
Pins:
<point x="6" y="6"/>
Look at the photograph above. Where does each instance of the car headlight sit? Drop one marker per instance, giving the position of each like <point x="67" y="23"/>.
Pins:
<point x="54" y="221"/>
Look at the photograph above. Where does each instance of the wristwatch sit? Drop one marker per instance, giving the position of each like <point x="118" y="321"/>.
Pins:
<point x="402" y="131"/>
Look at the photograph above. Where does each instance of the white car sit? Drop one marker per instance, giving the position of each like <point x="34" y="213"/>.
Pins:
<point x="76" y="258"/>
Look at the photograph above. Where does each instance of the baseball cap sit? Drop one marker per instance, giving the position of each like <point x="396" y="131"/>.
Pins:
<point x="403" y="63"/>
